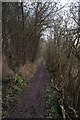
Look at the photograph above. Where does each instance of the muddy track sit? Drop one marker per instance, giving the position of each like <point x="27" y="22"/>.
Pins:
<point x="32" y="102"/>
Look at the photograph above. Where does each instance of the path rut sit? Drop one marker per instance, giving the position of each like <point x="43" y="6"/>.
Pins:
<point x="32" y="102"/>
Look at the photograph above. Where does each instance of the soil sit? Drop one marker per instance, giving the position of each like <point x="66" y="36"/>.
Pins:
<point x="32" y="102"/>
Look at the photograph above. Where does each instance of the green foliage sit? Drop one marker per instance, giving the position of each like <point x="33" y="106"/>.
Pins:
<point x="51" y="103"/>
<point x="19" y="80"/>
<point x="10" y="91"/>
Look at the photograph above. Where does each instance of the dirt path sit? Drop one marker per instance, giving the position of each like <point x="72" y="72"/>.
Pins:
<point x="32" y="101"/>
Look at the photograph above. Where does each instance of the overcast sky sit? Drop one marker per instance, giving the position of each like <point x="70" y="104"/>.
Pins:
<point x="67" y="1"/>
<point x="63" y="2"/>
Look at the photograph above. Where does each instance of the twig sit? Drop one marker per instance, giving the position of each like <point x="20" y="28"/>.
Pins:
<point x="74" y="112"/>
<point x="55" y="87"/>
<point x="63" y="112"/>
<point x="61" y="105"/>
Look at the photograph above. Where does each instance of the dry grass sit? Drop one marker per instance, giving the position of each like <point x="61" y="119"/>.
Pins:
<point x="28" y="70"/>
<point x="5" y="69"/>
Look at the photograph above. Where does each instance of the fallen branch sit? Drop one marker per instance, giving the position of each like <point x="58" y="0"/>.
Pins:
<point x="63" y="112"/>
<point x="55" y="87"/>
<point x="74" y="112"/>
<point x="61" y="105"/>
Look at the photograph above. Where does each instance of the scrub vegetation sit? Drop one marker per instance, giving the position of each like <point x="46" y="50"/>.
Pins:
<point x="41" y="51"/>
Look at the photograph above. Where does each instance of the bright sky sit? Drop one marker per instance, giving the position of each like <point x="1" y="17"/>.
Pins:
<point x="63" y="2"/>
<point x="67" y="1"/>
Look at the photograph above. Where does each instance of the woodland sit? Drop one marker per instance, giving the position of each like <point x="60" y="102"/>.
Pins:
<point x="42" y="31"/>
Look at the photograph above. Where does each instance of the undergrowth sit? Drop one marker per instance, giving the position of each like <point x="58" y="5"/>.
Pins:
<point x="10" y="90"/>
<point x="52" y="103"/>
